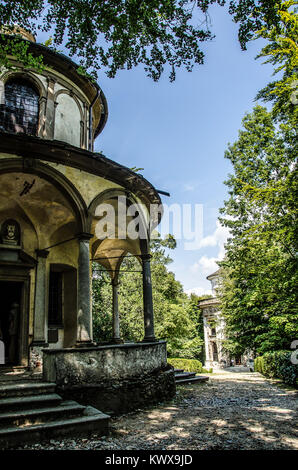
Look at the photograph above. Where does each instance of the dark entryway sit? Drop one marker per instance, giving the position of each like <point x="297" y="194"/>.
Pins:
<point x="214" y="352"/>
<point x="10" y="319"/>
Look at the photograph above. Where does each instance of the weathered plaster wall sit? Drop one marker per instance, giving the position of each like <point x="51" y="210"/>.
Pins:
<point x="67" y="120"/>
<point x="64" y="107"/>
<point x="87" y="184"/>
<point x="47" y="218"/>
<point x="94" y="365"/>
<point x="116" y="378"/>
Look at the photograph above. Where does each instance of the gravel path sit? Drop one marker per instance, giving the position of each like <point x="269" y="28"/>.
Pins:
<point x="231" y="411"/>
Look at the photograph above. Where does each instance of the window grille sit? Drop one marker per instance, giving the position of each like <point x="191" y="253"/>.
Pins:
<point x="19" y="113"/>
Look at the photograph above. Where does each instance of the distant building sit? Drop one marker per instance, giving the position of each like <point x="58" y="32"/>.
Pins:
<point x="214" y="330"/>
<point x="55" y="192"/>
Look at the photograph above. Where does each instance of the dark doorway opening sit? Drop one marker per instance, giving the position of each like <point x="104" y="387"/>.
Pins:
<point x="238" y="360"/>
<point x="214" y="352"/>
<point x="10" y="321"/>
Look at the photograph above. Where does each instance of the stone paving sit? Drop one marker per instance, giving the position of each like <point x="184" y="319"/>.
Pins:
<point x="232" y="411"/>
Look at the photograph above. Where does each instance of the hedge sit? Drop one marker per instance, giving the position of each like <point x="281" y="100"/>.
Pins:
<point x="278" y="365"/>
<point x="189" y="365"/>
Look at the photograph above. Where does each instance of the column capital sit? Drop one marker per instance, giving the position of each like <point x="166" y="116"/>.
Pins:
<point x="42" y="253"/>
<point x="84" y="236"/>
<point x="42" y="99"/>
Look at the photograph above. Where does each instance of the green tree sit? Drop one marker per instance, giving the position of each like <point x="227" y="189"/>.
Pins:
<point x="281" y="50"/>
<point x="117" y="34"/>
<point x="258" y="291"/>
<point x="176" y="318"/>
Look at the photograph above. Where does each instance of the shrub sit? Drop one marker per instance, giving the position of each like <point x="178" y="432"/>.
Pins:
<point x="207" y="371"/>
<point x="259" y="364"/>
<point x="189" y="365"/>
<point x="278" y="365"/>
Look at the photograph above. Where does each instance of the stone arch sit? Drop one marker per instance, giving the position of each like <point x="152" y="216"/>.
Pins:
<point x="113" y="193"/>
<point x="26" y="75"/>
<point x="66" y="128"/>
<point x="57" y="179"/>
<point x="37" y="84"/>
<point x="72" y="95"/>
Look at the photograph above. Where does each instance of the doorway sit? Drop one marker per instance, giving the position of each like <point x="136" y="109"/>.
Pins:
<point x="214" y="352"/>
<point x="10" y="319"/>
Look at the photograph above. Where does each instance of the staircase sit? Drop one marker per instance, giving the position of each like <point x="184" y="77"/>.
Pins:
<point x="182" y="377"/>
<point x="31" y="411"/>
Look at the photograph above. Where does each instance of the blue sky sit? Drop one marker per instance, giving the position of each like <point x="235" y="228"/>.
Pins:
<point x="178" y="133"/>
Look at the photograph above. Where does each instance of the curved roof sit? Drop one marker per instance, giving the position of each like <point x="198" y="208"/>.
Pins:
<point x="215" y="274"/>
<point x="69" y="68"/>
<point x="60" y="152"/>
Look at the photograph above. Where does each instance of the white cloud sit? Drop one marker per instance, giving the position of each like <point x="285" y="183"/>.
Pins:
<point x="189" y="187"/>
<point x="195" y="267"/>
<point x="198" y="291"/>
<point x="218" y="238"/>
<point x="207" y="265"/>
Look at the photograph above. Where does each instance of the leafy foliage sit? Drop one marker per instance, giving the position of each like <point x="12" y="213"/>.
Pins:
<point x="282" y="51"/>
<point x="253" y="15"/>
<point x="177" y="317"/>
<point x="278" y="365"/>
<point x="18" y="48"/>
<point x="259" y="272"/>
<point x="189" y="365"/>
<point x="118" y="34"/>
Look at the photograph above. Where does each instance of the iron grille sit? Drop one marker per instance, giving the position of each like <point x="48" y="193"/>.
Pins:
<point x="20" y="112"/>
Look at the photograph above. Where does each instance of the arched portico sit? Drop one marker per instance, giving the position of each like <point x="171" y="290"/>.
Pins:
<point x="109" y="249"/>
<point x="52" y="220"/>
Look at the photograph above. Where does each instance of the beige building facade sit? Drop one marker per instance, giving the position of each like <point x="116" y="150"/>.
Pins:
<point x="216" y="356"/>
<point x="52" y="185"/>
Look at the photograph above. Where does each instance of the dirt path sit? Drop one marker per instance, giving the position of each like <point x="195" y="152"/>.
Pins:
<point x="231" y="411"/>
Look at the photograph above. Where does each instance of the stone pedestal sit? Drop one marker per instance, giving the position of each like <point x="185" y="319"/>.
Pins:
<point x="114" y="378"/>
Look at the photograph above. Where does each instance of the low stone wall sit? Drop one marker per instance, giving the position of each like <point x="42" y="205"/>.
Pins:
<point x="115" y="378"/>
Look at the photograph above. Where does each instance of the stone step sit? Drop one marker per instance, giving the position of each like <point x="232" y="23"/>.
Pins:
<point x="182" y="375"/>
<point x="67" y="409"/>
<point x="22" y="389"/>
<point x="30" y="401"/>
<point x="177" y="371"/>
<point x="201" y="378"/>
<point x="92" y="421"/>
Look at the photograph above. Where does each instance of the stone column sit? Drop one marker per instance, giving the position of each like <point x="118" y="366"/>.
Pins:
<point x="42" y="116"/>
<point x="84" y="332"/>
<point x="206" y="338"/>
<point x="50" y="110"/>
<point x="40" y="307"/>
<point x="147" y="298"/>
<point x="116" y="322"/>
